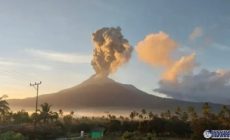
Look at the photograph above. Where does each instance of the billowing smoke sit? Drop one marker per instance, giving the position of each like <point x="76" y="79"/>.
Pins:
<point x="157" y="50"/>
<point x="111" y="50"/>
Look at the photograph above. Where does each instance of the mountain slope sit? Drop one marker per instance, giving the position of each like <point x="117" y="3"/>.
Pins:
<point x="99" y="92"/>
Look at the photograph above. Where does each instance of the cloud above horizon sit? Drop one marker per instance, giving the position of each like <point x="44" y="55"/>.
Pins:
<point x="72" y="58"/>
<point x="196" y="33"/>
<point x="181" y="67"/>
<point x="157" y="49"/>
<point x="206" y="86"/>
<point x="178" y="79"/>
<point x="6" y="63"/>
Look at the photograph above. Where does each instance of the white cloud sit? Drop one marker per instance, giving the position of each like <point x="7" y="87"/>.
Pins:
<point x="60" y="57"/>
<point x="221" y="47"/>
<point x="6" y="63"/>
<point x="205" y="86"/>
<point x="196" y="33"/>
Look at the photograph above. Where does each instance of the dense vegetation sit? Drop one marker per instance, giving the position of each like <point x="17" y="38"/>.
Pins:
<point x="143" y="125"/>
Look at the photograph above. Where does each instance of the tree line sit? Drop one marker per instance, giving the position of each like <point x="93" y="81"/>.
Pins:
<point x="140" y="125"/>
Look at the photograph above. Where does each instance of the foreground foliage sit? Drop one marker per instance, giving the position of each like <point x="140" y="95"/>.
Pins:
<point x="143" y="125"/>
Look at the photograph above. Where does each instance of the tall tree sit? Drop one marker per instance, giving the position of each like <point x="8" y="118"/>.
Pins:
<point x="45" y="112"/>
<point x="192" y="113"/>
<point x="151" y="115"/>
<point x="21" y="117"/>
<point x="133" y="114"/>
<point x="4" y="108"/>
<point x="166" y="115"/>
<point x="206" y="110"/>
<point x="60" y="112"/>
<point x="224" y="116"/>
<point x="178" y="112"/>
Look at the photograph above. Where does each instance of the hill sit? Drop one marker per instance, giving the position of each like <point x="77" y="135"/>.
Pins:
<point x="107" y="94"/>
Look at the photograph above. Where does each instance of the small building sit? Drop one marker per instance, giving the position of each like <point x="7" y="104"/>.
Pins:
<point x="97" y="133"/>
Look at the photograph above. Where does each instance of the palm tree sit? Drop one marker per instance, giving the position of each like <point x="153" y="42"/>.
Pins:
<point x="132" y="115"/>
<point x="192" y="113"/>
<point x="60" y="112"/>
<point x="68" y="119"/>
<point x="21" y="117"/>
<point x="206" y="110"/>
<point x="178" y="112"/>
<point x="166" y="115"/>
<point x="140" y="116"/>
<point x="224" y="116"/>
<point x="224" y="112"/>
<point x="113" y="117"/>
<point x="109" y="116"/>
<point x="151" y="115"/>
<point x="45" y="113"/>
<point x="121" y="118"/>
<point x="184" y="116"/>
<point x="71" y="113"/>
<point x="54" y="116"/>
<point x="143" y="111"/>
<point x="4" y="107"/>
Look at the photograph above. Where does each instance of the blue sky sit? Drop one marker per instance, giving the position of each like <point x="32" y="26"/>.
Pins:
<point x="51" y="40"/>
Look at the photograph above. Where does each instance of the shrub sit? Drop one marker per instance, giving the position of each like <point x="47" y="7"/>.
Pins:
<point x="10" y="135"/>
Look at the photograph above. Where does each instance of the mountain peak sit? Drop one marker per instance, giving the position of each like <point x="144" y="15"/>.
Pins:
<point x="103" y="92"/>
<point x="97" y="80"/>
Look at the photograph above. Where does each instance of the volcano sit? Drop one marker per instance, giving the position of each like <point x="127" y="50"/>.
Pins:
<point x="102" y="92"/>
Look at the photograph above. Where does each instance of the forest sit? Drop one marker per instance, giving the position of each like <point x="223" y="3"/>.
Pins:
<point x="139" y="125"/>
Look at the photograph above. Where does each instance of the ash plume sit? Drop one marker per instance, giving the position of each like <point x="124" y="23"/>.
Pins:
<point x="111" y="50"/>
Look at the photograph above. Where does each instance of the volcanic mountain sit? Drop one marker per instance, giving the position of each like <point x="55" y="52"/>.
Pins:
<point x="98" y="92"/>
